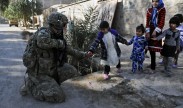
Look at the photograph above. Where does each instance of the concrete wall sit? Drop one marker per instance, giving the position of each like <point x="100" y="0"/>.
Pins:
<point x="130" y="13"/>
<point x="48" y="3"/>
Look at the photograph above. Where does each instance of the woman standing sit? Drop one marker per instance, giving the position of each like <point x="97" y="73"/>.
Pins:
<point x="155" y="20"/>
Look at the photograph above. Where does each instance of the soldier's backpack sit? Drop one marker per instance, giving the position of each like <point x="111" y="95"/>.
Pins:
<point x="30" y="53"/>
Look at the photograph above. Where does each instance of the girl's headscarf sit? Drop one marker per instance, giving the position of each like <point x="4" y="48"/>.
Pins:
<point x="155" y="10"/>
<point x="161" y="4"/>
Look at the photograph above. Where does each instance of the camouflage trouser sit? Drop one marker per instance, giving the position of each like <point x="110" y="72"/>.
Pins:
<point x="45" y="88"/>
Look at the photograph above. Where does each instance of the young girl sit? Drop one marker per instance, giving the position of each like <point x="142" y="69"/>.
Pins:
<point x="180" y="28"/>
<point x="110" y="53"/>
<point x="139" y="46"/>
<point x="155" y="20"/>
<point x="171" y="44"/>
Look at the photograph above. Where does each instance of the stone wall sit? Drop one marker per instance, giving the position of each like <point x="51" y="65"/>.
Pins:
<point x="130" y="13"/>
<point x="48" y="3"/>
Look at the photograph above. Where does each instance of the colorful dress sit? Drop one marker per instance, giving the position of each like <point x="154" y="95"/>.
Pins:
<point x="138" y="54"/>
<point x="112" y="57"/>
<point x="155" y="20"/>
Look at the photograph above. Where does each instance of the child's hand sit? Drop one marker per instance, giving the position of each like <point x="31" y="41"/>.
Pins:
<point x="146" y="48"/>
<point x="153" y="38"/>
<point x="147" y="36"/>
<point x="126" y="43"/>
<point x="177" y="51"/>
<point x="154" y="34"/>
<point x="123" y="41"/>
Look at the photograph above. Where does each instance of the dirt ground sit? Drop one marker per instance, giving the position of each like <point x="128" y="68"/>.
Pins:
<point x="128" y="90"/>
<point x="137" y="90"/>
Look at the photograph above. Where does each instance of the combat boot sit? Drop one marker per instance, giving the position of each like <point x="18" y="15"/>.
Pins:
<point x="23" y="90"/>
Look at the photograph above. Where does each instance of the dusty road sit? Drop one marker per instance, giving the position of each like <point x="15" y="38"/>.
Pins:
<point x="11" y="67"/>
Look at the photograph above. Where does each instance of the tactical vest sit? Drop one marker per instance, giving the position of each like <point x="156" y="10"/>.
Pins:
<point x="32" y="53"/>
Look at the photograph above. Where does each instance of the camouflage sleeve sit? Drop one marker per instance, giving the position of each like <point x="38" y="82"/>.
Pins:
<point x="76" y="53"/>
<point x="45" y="41"/>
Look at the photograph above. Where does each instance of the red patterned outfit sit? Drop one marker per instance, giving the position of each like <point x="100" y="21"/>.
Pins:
<point x="157" y="24"/>
<point x="155" y="45"/>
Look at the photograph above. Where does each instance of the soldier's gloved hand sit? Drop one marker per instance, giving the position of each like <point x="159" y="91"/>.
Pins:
<point x="61" y="44"/>
<point x="89" y="54"/>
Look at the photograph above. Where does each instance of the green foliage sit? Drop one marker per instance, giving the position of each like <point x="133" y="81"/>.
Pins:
<point x="84" y="31"/>
<point x="13" y="11"/>
<point x="3" y="5"/>
<point x="37" y="7"/>
<point x="22" y="9"/>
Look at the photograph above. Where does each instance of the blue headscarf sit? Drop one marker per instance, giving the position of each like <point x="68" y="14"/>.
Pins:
<point x="155" y="11"/>
<point x="161" y="4"/>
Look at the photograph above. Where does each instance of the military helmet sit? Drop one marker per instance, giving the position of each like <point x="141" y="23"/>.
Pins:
<point x="57" y="20"/>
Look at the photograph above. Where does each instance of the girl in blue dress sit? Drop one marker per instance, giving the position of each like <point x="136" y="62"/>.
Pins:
<point x="139" y="45"/>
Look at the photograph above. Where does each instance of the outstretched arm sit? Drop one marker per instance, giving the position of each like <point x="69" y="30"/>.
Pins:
<point x="94" y="45"/>
<point x="122" y="40"/>
<point x="160" y="36"/>
<point x="96" y="42"/>
<point x="119" y="38"/>
<point x="131" y="41"/>
<point x="76" y="53"/>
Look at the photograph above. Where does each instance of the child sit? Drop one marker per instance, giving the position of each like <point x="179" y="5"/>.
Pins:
<point x="180" y="28"/>
<point x="171" y="44"/>
<point x="110" y="51"/>
<point x="139" y="44"/>
<point x="155" y="19"/>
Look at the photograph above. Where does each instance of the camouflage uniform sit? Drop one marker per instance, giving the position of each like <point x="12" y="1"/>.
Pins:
<point x="51" y="69"/>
